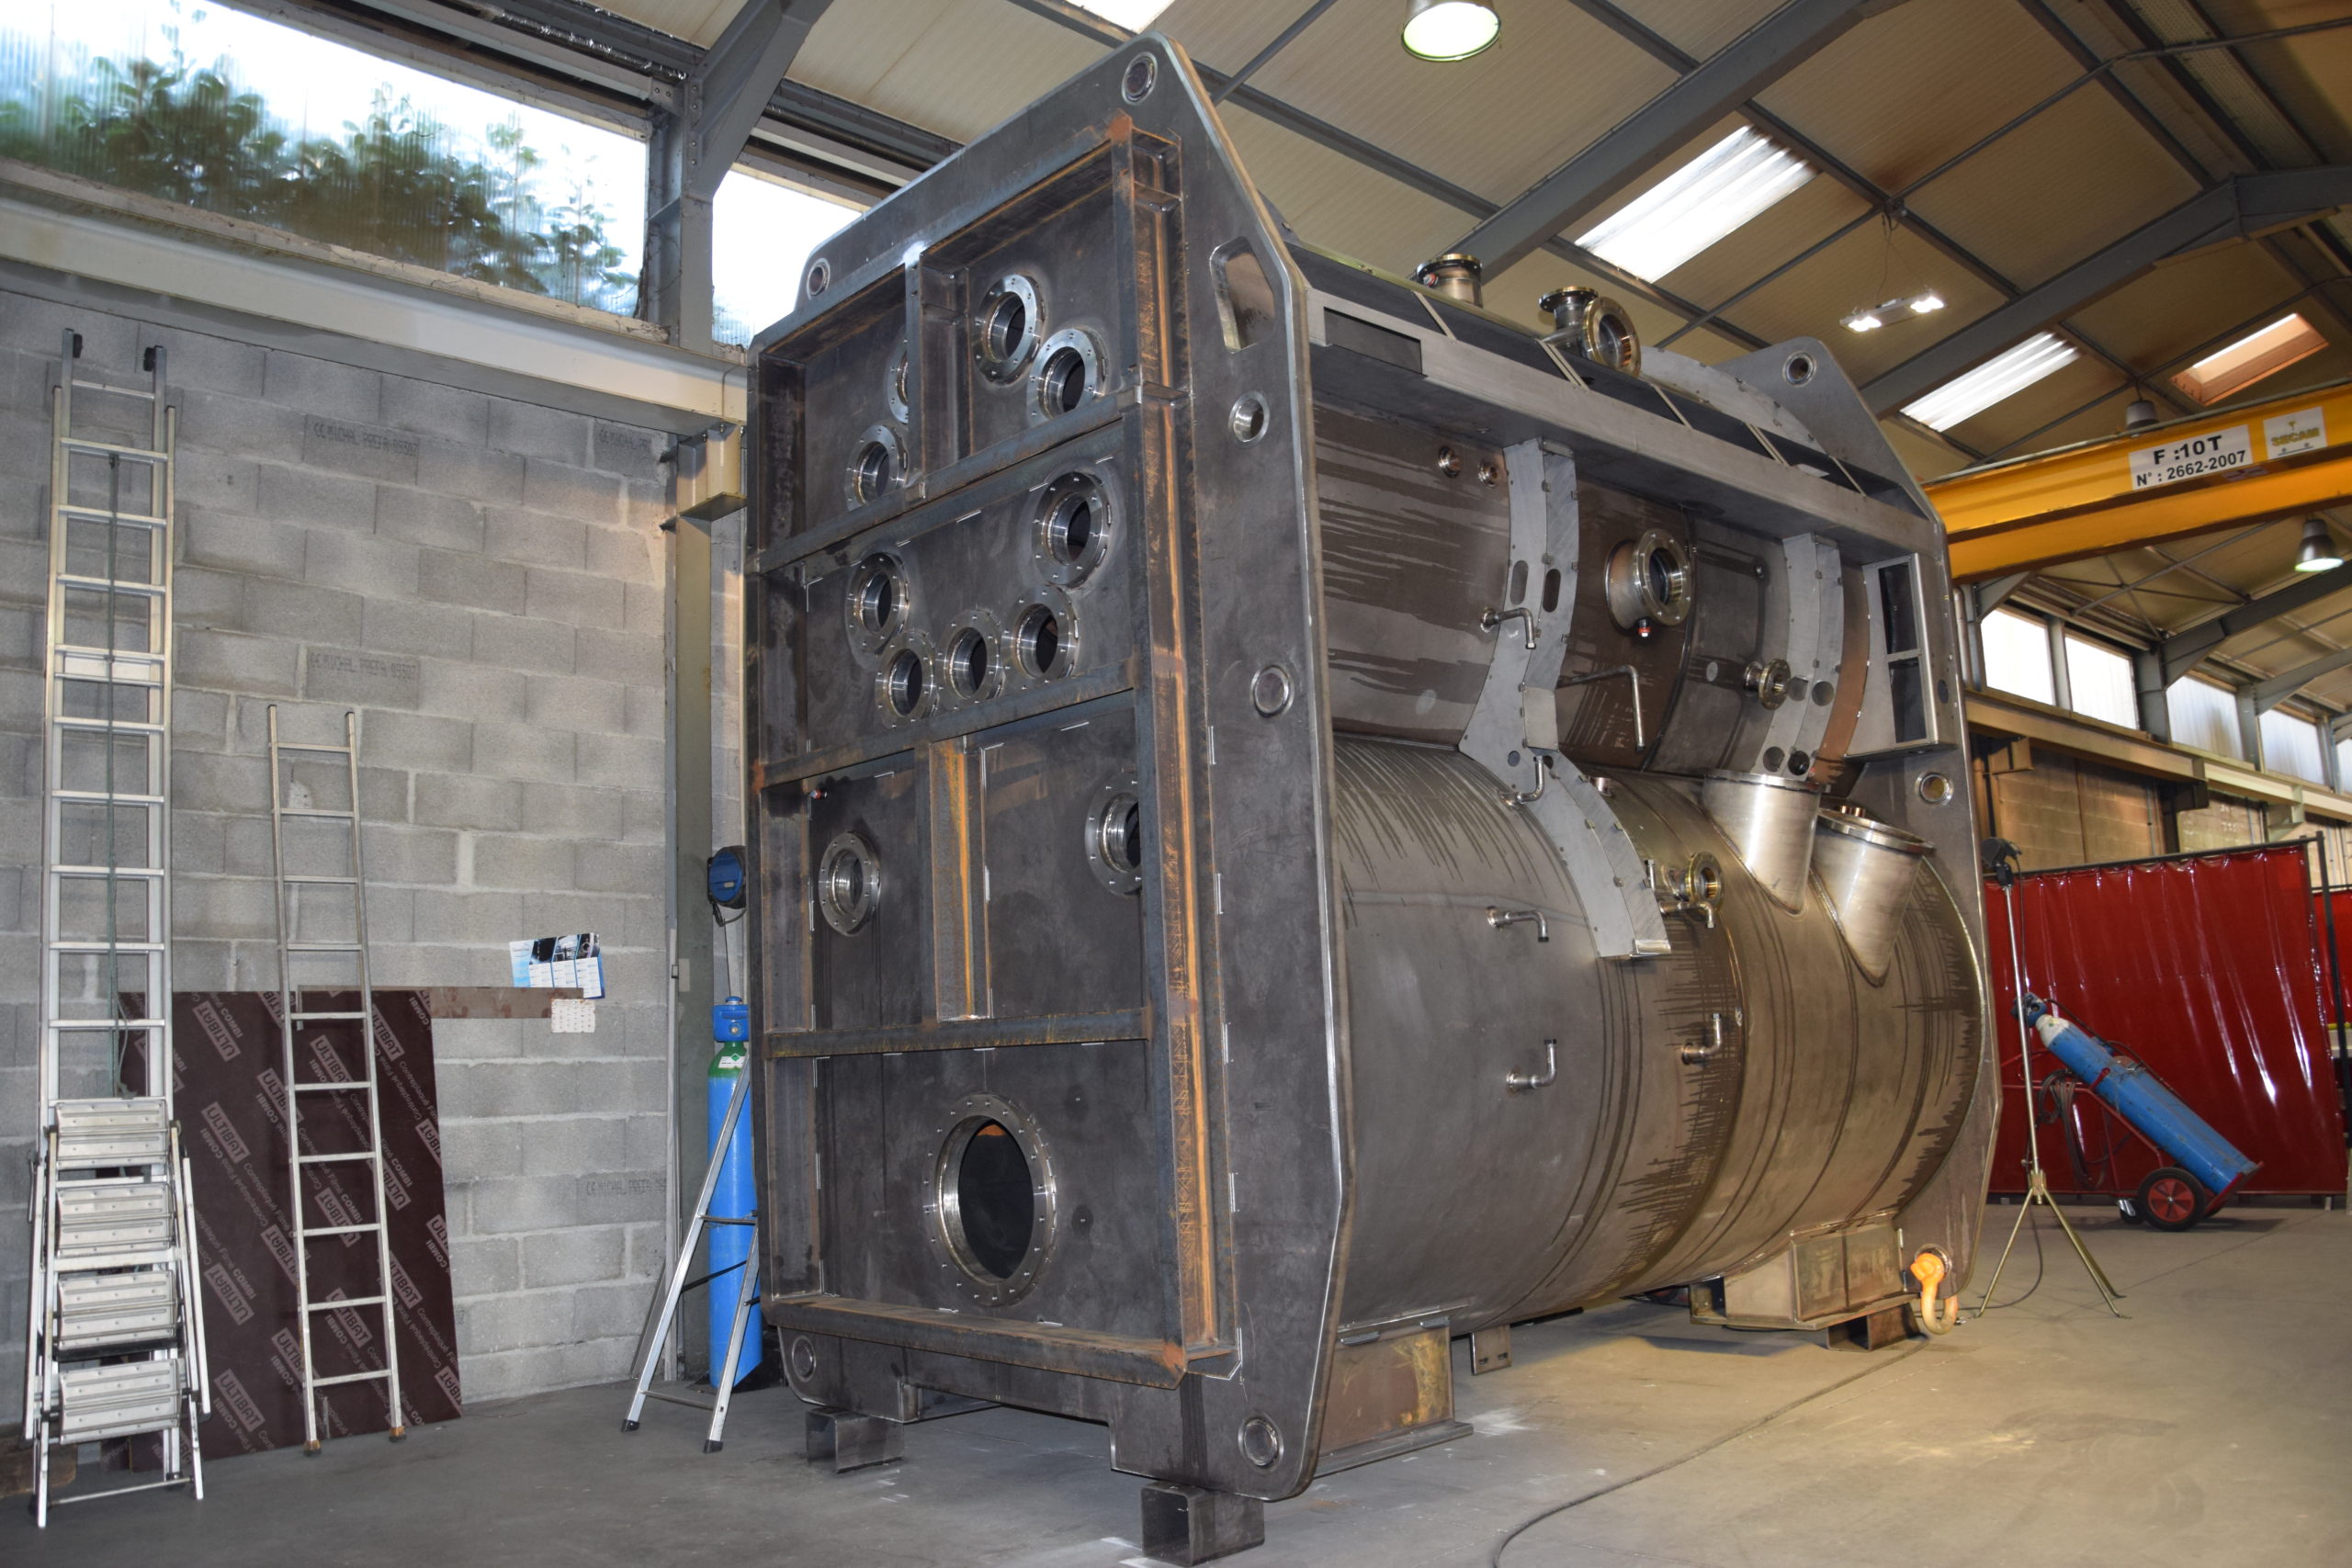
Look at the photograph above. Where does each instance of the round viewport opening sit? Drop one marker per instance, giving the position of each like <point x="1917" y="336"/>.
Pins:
<point x="996" y="1205"/>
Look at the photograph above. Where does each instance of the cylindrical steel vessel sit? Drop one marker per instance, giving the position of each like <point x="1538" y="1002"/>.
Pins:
<point x="1284" y="807"/>
<point x="1753" y="1084"/>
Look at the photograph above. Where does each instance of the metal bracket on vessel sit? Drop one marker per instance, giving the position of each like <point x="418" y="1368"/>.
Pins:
<point x="1514" y="731"/>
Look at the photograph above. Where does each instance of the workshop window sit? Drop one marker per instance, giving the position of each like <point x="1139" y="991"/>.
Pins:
<point x="764" y="229"/>
<point x="2291" y="746"/>
<point x="2098" y="683"/>
<point x="2204" y="715"/>
<point x="2017" y="656"/>
<point x="249" y="118"/>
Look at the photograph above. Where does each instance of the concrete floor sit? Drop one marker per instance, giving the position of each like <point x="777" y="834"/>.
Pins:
<point x="2209" y="1428"/>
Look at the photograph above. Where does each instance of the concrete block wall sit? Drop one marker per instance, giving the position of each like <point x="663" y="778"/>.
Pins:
<point x="2066" y="812"/>
<point x="482" y="579"/>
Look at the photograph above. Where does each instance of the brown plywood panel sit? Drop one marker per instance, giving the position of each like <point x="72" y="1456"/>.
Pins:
<point x="226" y="1086"/>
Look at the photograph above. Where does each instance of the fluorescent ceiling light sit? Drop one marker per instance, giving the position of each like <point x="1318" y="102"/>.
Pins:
<point x="1449" y="29"/>
<point x="2002" y="376"/>
<point x="1133" y="15"/>
<point x="2232" y="369"/>
<point x="1697" y="205"/>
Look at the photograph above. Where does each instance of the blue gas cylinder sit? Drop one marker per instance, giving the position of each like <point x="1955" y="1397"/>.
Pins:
<point x="732" y="1199"/>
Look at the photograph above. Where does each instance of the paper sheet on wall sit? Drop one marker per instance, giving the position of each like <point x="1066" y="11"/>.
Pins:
<point x="551" y="963"/>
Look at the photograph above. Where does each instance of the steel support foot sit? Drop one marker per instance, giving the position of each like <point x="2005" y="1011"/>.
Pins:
<point x="1872" y="1331"/>
<point x="847" y="1440"/>
<point x="1489" y="1349"/>
<point x="1185" y="1524"/>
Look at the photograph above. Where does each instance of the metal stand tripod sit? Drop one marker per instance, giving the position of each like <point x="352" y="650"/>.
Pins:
<point x="2037" y="1189"/>
<point x="665" y="1312"/>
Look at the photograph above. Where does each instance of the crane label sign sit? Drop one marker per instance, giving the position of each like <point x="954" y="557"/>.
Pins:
<point x="2192" y="458"/>
<point x="2301" y="432"/>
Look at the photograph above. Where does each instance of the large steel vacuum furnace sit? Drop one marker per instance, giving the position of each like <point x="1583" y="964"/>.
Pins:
<point x="1296" y="820"/>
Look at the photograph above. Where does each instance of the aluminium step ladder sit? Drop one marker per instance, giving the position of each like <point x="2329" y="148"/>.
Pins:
<point x="663" y="1313"/>
<point x="114" y="1320"/>
<point x="323" y="946"/>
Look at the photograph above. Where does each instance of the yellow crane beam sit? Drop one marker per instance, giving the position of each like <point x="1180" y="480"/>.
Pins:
<point x="2250" y="464"/>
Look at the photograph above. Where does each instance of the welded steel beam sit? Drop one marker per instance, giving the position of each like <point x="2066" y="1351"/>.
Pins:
<point x="2267" y="694"/>
<point x="1716" y="86"/>
<point x="2184" y="652"/>
<point x="692" y="147"/>
<point x="729" y="87"/>
<point x="2247" y="206"/>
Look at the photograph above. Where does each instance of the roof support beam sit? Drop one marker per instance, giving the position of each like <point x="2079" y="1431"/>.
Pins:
<point x="691" y="149"/>
<point x="2267" y="694"/>
<point x="2248" y="205"/>
<point x="1718" y="85"/>
<point x="2184" y="652"/>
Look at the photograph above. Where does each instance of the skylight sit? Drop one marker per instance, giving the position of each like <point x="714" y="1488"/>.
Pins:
<point x="2004" y="375"/>
<point x="2249" y="360"/>
<point x="1698" y="204"/>
<point x="1133" y="15"/>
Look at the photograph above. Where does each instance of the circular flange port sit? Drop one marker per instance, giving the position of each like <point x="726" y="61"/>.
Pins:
<point x="1005" y="327"/>
<point x="849" y="882"/>
<point x="878" y="602"/>
<point x="1076" y="517"/>
<point x="820" y="276"/>
<point x="972" y="663"/>
<point x="1070" y="375"/>
<point x="1648" y="580"/>
<point x="878" y="462"/>
<point x="1044" y="637"/>
<point x="1115" y="844"/>
<point x="1142" y="74"/>
<point x="903" y="687"/>
<point x="994" y="1200"/>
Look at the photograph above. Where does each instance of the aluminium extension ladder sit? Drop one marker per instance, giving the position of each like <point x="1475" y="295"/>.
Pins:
<point x="336" y="900"/>
<point x="114" y="1321"/>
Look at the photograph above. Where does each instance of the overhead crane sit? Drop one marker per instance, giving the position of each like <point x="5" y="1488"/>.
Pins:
<point x="2225" y="468"/>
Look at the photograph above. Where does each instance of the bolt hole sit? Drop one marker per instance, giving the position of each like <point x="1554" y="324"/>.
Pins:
<point x="1248" y="419"/>
<point x="1773" y="757"/>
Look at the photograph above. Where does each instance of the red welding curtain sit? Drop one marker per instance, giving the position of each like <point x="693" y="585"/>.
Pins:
<point x="2207" y="969"/>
